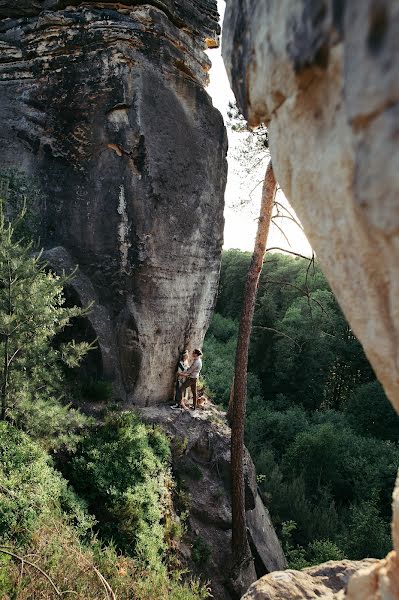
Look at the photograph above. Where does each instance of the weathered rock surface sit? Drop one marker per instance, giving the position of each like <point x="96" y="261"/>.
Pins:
<point x="201" y="461"/>
<point x="324" y="76"/>
<point x="326" y="581"/>
<point x="105" y="104"/>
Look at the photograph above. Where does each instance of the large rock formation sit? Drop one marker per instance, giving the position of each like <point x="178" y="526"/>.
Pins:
<point x="104" y="102"/>
<point x="329" y="580"/>
<point x="201" y="463"/>
<point x="324" y="76"/>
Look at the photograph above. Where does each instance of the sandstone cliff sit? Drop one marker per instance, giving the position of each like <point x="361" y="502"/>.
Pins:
<point x="105" y="103"/>
<point x="324" y="76"/>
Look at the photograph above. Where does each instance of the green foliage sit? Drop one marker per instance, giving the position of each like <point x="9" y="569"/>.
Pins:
<point x="22" y="194"/>
<point x="42" y="517"/>
<point x="201" y="552"/>
<point x="97" y="390"/>
<point x="321" y="551"/>
<point x="370" y="413"/>
<point x="32" y="313"/>
<point x="369" y="532"/>
<point x="30" y="489"/>
<point x="185" y="467"/>
<point x="122" y="472"/>
<point x="317" y="552"/>
<point x="322" y="434"/>
<point x="295" y="555"/>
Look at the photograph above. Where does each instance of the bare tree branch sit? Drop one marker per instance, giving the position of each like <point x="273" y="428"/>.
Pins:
<point x="288" y="252"/>
<point x="279" y="216"/>
<point x="282" y="232"/>
<point x="297" y="287"/>
<point x="279" y="333"/>
<point x="277" y="203"/>
<point x="24" y="561"/>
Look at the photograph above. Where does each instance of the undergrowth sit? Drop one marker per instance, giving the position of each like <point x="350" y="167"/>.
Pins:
<point x="50" y="544"/>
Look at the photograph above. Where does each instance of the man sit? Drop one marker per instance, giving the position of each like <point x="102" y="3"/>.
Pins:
<point x="191" y="377"/>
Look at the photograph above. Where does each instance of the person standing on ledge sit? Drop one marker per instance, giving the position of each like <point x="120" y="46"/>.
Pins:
<point x="191" y="377"/>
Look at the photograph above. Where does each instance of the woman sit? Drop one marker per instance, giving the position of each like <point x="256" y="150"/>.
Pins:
<point x="182" y="366"/>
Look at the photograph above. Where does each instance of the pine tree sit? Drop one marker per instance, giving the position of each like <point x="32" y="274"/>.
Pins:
<point x="32" y="313"/>
<point x="238" y="397"/>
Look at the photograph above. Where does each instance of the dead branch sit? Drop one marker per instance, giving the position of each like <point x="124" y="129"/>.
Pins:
<point x="279" y="204"/>
<point x="107" y="587"/>
<point x="288" y="252"/>
<point x="289" y="218"/>
<point x="27" y="562"/>
<point x="281" y="231"/>
<point x="297" y="287"/>
<point x="279" y="333"/>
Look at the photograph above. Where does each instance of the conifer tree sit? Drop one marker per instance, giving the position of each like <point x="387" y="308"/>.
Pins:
<point x="238" y="397"/>
<point x="32" y="313"/>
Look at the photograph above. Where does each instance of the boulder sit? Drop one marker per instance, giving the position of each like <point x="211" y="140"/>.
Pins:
<point x="327" y="581"/>
<point x="105" y="104"/>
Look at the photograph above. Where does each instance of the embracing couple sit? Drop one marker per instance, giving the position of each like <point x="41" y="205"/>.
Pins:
<point x="188" y="378"/>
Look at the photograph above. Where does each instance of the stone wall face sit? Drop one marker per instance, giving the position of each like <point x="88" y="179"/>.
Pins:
<point x="105" y="104"/>
<point x="325" y="77"/>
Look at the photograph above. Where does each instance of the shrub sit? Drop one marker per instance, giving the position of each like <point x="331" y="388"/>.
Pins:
<point x="122" y="472"/>
<point x="31" y="490"/>
<point x="321" y="551"/>
<point x="201" y="552"/>
<point x="42" y="520"/>
<point x="367" y="534"/>
<point x="97" y="390"/>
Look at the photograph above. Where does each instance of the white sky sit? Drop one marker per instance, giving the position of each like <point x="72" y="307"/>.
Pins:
<point x="240" y="222"/>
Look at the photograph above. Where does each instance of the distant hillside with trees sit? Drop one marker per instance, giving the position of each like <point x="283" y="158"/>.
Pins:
<point x="319" y="428"/>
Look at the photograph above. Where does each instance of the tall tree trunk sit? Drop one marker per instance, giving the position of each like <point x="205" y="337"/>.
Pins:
<point x="237" y="410"/>
<point x="5" y="381"/>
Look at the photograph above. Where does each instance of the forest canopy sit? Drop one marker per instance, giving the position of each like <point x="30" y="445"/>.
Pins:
<point x="319" y="427"/>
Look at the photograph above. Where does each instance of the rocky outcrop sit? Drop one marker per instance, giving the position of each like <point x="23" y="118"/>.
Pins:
<point x="324" y="76"/>
<point x="104" y="103"/>
<point x="201" y="463"/>
<point x="328" y="581"/>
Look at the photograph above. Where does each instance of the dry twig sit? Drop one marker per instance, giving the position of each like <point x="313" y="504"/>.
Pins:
<point x="27" y="562"/>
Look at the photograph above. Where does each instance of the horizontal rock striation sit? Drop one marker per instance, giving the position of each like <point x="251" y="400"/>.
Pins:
<point x="105" y="103"/>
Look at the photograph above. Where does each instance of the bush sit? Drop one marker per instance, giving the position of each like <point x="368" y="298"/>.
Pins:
<point x="201" y="552"/>
<point x="122" y="472"/>
<point x="43" y="520"/>
<point x="321" y="551"/>
<point x="31" y="490"/>
<point x="367" y="534"/>
<point x="97" y="390"/>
